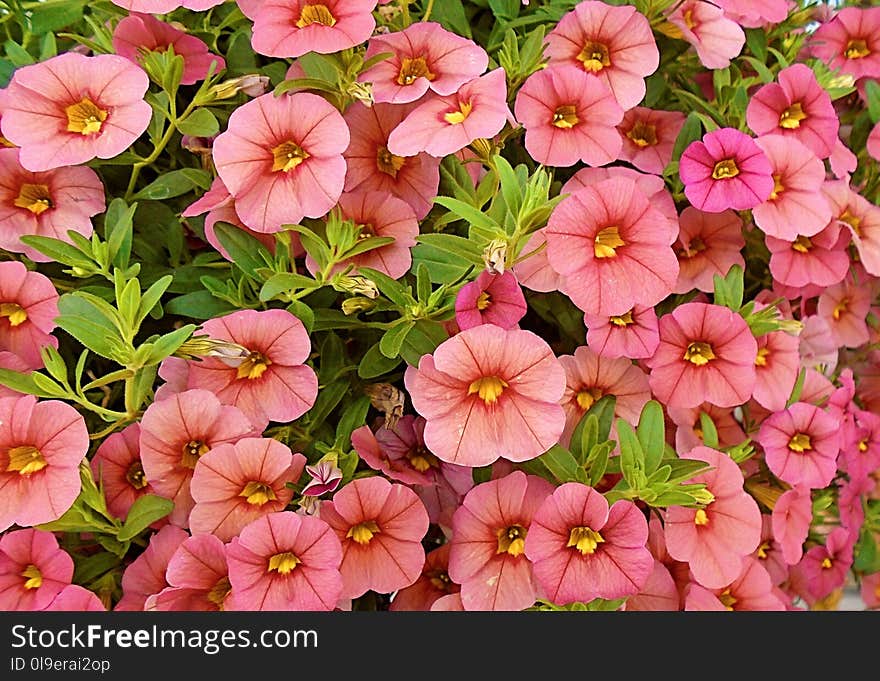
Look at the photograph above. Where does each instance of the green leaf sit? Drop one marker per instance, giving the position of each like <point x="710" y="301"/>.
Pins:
<point x="166" y="344"/>
<point x="245" y="250"/>
<point x="151" y="297"/>
<point x="392" y="339"/>
<point x="604" y="411"/>
<point x="467" y="212"/>
<point x="198" y="305"/>
<point x="354" y="416"/>
<point x="710" y="433"/>
<point x="451" y="15"/>
<point x="684" y="469"/>
<point x="146" y="510"/>
<point x="798" y="388"/>
<point x="632" y="456"/>
<point x="584" y="437"/>
<point x="118" y="230"/>
<point x="328" y="397"/>
<point x="175" y="183"/>
<point x="756" y="39"/>
<point x="368" y="244"/>
<point x="313" y="244"/>
<point x="375" y="364"/>
<point x="390" y="288"/>
<point x="23" y="383"/>
<point x="302" y="312"/>
<point x="872" y="92"/>
<point x="86" y="322"/>
<point x="652" y="434"/>
<point x="443" y="266"/>
<point x="423" y="282"/>
<point x="462" y="248"/>
<point x="556" y="464"/>
<point x="200" y="123"/>
<point x="284" y="282"/>
<point x="17" y="54"/>
<point x="53" y="16"/>
<point x="728" y="290"/>
<point x="597" y="461"/>
<point x="690" y="132"/>
<point x="59" y="251"/>
<point x="422" y="339"/>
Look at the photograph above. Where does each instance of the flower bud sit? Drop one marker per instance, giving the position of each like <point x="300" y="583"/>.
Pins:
<point x="357" y="304"/>
<point x="356" y="284"/>
<point x="495" y="255"/>
<point x="388" y="399"/>
<point x="197" y="347"/>
<point x="362" y="92"/>
<point x="252" y="84"/>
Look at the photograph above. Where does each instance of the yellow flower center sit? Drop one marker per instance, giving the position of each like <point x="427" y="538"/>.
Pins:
<point x="440" y="580"/>
<point x="253" y="366"/>
<point x="413" y="68"/>
<point x="761" y="357"/>
<point x="587" y="397"/>
<point x="800" y="442"/>
<point x="135" y="475"/>
<point x="762" y="550"/>
<point x="852" y="220"/>
<point x="421" y="459"/>
<point x="315" y="14"/>
<point x="25" y="460"/>
<point x="778" y="188"/>
<point x="699" y="353"/>
<point x="624" y="319"/>
<point x="863" y="445"/>
<point x="826" y="563"/>
<point x="257" y="493"/>
<point x="565" y="117"/>
<point x="34" y="197"/>
<point x="802" y="244"/>
<point x="218" y="593"/>
<point x="643" y="134"/>
<point x="700" y="517"/>
<point x="458" y="116"/>
<point x="689" y="20"/>
<point x="594" y="57"/>
<point x="483" y="301"/>
<point x="511" y="540"/>
<point x="14" y="312"/>
<point x="363" y="532"/>
<point x="696" y="245"/>
<point x="85" y="117"/>
<point x="388" y="163"/>
<point x="287" y="156"/>
<point x="488" y="388"/>
<point x="725" y="169"/>
<point x="283" y="563"/>
<point x="33" y="578"/>
<point x="584" y="540"/>
<point x="840" y="308"/>
<point x="727" y="599"/>
<point x="606" y="241"/>
<point x="856" y="49"/>
<point x="791" y="118"/>
<point x="192" y="450"/>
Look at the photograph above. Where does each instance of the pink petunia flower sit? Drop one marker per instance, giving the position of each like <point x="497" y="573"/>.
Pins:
<point x="76" y="598"/>
<point x="769" y="552"/>
<point x="325" y="477"/>
<point x="533" y="270"/>
<point x="117" y="466"/>
<point x="820" y="259"/>
<point x="648" y="137"/>
<point x="581" y="549"/>
<point x="490" y="299"/>
<point x="281" y="159"/>
<point x="715" y="539"/>
<point x="843" y="161"/>
<point x="825" y="567"/>
<point x="28" y="309"/>
<point x="791" y="518"/>
<point x="615" y="43"/>
<point x="715" y="37"/>
<point x="33" y="569"/>
<point x="632" y="334"/>
<point x="869" y="590"/>
<point x="727" y="169"/>
<point x="658" y="594"/>
<point x="755" y="13"/>
<point x="752" y="590"/>
<point x="165" y="6"/>
<point x="145" y="575"/>
<point x="569" y="116"/>
<point x="237" y="482"/>
<point x="72" y="108"/>
<point x="197" y="575"/>
<point x="860" y="218"/>
<point x="42" y="444"/>
<point x="845" y="307"/>
<point x="489" y="392"/>
<point x="138" y="34"/>
<point x="425" y="57"/>
<point x="285" y="561"/>
<point x="432" y="584"/>
<point x="708" y="244"/>
<point x="689" y="426"/>
<point x="850" y="42"/>
<point x="776" y="369"/>
<point x="706" y="354"/>
<point x="489" y="531"/>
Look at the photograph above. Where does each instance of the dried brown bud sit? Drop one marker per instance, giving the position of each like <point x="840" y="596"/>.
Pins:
<point x="389" y="400"/>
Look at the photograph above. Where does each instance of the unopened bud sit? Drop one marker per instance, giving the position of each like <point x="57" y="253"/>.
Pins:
<point x="355" y="284"/>
<point x="252" y="85"/>
<point x="389" y="400"/>
<point x="198" y="347"/>
<point x="483" y="148"/>
<point x="703" y="496"/>
<point x="495" y="256"/>
<point x="792" y="326"/>
<point x="357" y="304"/>
<point x="362" y="92"/>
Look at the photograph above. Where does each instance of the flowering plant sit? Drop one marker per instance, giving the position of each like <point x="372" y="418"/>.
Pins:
<point x="453" y="305"/>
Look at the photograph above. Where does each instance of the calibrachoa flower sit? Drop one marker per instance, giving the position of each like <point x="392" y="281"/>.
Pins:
<point x="117" y="466"/>
<point x="285" y="561"/>
<point x="582" y="549"/>
<point x="776" y="369"/>
<point x="613" y="42"/>
<point x="727" y="169"/>
<point x="708" y="244"/>
<point x="325" y="477"/>
<point x="860" y="218"/>
<point x="432" y="584"/>
<point x="28" y="309"/>
<point x="632" y="334"/>
<point x="165" y="6"/>
<point x="281" y="159"/>
<point x="41" y="446"/>
<point x="850" y="42"/>
<point x="860" y="450"/>
<point x="75" y="598"/>
<point x="145" y="576"/>
<point x="72" y="108"/>
<point x="824" y="567"/>
<point x="489" y="392"/>
<point x="490" y="299"/>
<point x="715" y="37"/>
<point x="689" y="426"/>
<point x="755" y="13"/>
<point x="873" y="143"/>
<point x="751" y="590"/>
<point x="820" y="259"/>
<point x="197" y="576"/>
<point x="33" y="569"/>
<point x="648" y="137"/>
<point x="489" y="532"/>
<point x="791" y="518"/>
<point x="845" y="307"/>
<point x="706" y="354"/>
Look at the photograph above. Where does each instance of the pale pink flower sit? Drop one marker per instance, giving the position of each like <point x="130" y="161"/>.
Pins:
<point x="708" y="244"/>
<point x="648" y="137"/>
<point x="632" y="335"/>
<point x="490" y="299"/>
<point x="28" y="309"/>
<point x="716" y="38"/>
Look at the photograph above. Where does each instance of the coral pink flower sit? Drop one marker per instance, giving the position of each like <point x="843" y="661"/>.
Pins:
<point x="801" y="445"/>
<point x="824" y="568"/>
<point x="285" y="561"/>
<point x="751" y="590"/>
<point x="590" y="377"/>
<point x="873" y="143"/>
<point x="236" y="483"/>
<point x="861" y="218"/>
<point x="689" y="426"/>
<point x="776" y="369"/>
<point x="658" y="593"/>
<point x="850" y="42"/>
<point x="489" y="392"/>
<point x="145" y="576"/>
<point x="797" y="204"/>
<point x="614" y="43"/>
<point x="175" y="433"/>
<point x="138" y="34"/>
<point x="845" y="307"/>
<point x="444" y="495"/>
<point x="820" y="259"/>
<point x="28" y="309"/>
<point x="490" y="299"/>
<point x="796" y="107"/>
<point x="381" y="526"/>
<point x="197" y="575"/>
<point x="72" y="108"/>
<point x="281" y="158"/>
<point x="41" y="446"/>
<point x="432" y="584"/>
<point x="727" y="169"/>
<point x="448" y="603"/>
<point x="533" y="270"/>
<point x="569" y="116"/>
<point x="769" y="552"/>
<point x="165" y="6"/>
<point x="791" y="518"/>
<point x="117" y="466"/>
<point x="443" y="125"/>
<point x="272" y="383"/>
<point x="755" y="13"/>
<point x="716" y="38"/>
<point x="75" y="598"/>
<point x="45" y="204"/>
<point x="714" y="540"/>
<point x="633" y="334"/>
<point x="33" y="569"/>
<point x="371" y="166"/>
<point x="613" y="247"/>
<point x="706" y="354"/>
<point x="581" y="549"/>
<point x="489" y="531"/>
<point x="291" y="29"/>
<point x="708" y="244"/>
<point x="426" y="57"/>
<point x="860" y="453"/>
<point x="648" y="137"/>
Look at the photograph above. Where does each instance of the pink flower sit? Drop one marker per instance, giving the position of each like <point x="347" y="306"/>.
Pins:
<point x="614" y="43"/>
<point x="285" y="561"/>
<point x="843" y="161"/>
<point x="869" y="590"/>
<point x="873" y="142"/>
<point x="325" y="477"/>
<point x="72" y="108"/>
<point x="165" y="6"/>
<point x="145" y="576"/>
<point x="28" y="309"/>
<point x="425" y="57"/>
<point x="489" y="392"/>
<point x="533" y="271"/>
<point x="117" y="466"/>
<point x="755" y="13"/>
<point x="648" y="137"/>
<point x="41" y="446"/>
<point x="633" y="334"/>
<point x="797" y="204"/>
<point x="432" y="584"/>
<point x="658" y="593"/>
<point x="801" y="445"/>
<point x="715" y="539"/>
<point x="569" y="116"/>
<point x="443" y="125"/>
<point x="582" y="549"/>
<point x="850" y="42"/>
<point x="727" y="169"/>
<point x="490" y="299"/>
<point x="796" y="107"/>
<point x="272" y="383"/>
<point x="33" y="569"/>
<point x="197" y="576"/>
<point x="791" y="519"/>
<point x="45" y="204"/>
<point x="371" y="166"/>
<point x="175" y="433"/>
<point x="861" y="218"/>
<point x="824" y="568"/>
<point x="708" y="244"/>
<point x="752" y="590"/>
<point x="860" y="450"/>
<point x="75" y="598"/>
<point x="776" y="369"/>
<point x="845" y="307"/>
<point x="689" y="426"/>
<point x="281" y="159"/>
<point x="381" y="526"/>
<point x="489" y="531"/>
<point x="138" y="34"/>
<point x="716" y="38"/>
<point x="820" y="259"/>
<point x="236" y="483"/>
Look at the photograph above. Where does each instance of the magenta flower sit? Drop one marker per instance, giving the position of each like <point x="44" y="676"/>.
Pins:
<point x="648" y="137"/>
<point x="28" y="309"/>
<point x="72" y="108"/>
<point x="850" y="42"/>
<point x="791" y="518"/>
<point x="33" y="569"/>
<point x="490" y="299"/>
<point x="281" y="159"/>
<point x="117" y="466"/>
<point x="752" y="590"/>
<point x="197" y="575"/>
<point x="569" y="116"/>
<point x="776" y="369"/>
<point x="489" y="392"/>
<point x="820" y="259"/>
<point x="715" y="37"/>
<point x="633" y="334"/>
<point x="432" y="584"/>
<point x="145" y="575"/>
<point x="727" y="169"/>
<point x="708" y="244"/>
